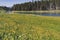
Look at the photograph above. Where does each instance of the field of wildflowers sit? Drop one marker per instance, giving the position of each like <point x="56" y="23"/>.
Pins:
<point x="29" y="27"/>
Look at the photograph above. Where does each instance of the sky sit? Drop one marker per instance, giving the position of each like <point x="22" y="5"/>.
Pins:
<point x="10" y="3"/>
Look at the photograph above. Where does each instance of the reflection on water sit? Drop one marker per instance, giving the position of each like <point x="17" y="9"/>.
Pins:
<point x="43" y="14"/>
<point x="50" y="14"/>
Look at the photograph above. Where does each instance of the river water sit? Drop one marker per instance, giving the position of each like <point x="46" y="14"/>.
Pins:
<point x="42" y="14"/>
<point x="37" y="13"/>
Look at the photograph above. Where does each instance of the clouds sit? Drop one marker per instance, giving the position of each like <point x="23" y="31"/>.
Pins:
<point x="10" y="3"/>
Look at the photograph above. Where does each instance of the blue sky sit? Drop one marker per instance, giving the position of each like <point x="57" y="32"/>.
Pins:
<point x="10" y="3"/>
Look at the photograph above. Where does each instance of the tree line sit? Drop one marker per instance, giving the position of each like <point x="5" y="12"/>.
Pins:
<point x="29" y="6"/>
<point x="35" y="5"/>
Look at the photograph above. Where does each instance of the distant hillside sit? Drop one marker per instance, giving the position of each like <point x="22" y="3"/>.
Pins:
<point x="4" y="8"/>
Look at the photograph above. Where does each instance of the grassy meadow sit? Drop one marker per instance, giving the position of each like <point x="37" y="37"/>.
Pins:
<point x="29" y="27"/>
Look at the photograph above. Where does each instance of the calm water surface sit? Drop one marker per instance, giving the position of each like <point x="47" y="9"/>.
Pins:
<point x="42" y="14"/>
<point x="37" y="13"/>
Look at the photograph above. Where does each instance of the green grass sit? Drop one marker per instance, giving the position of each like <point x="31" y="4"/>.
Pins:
<point x="29" y="27"/>
<point x="41" y="11"/>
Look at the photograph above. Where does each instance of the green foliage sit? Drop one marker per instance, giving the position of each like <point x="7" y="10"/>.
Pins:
<point x="29" y="6"/>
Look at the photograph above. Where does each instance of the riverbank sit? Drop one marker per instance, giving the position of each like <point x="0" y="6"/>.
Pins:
<point x="45" y="11"/>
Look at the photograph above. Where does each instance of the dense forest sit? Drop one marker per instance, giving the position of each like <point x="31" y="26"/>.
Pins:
<point x="35" y="5"/>
<point x="29" y="6"/>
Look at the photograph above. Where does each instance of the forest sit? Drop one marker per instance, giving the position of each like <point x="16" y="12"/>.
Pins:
<point x="35" y="5"/>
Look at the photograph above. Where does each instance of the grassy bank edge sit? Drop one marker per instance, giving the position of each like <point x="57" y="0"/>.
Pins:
<point x="42" y="11"/>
